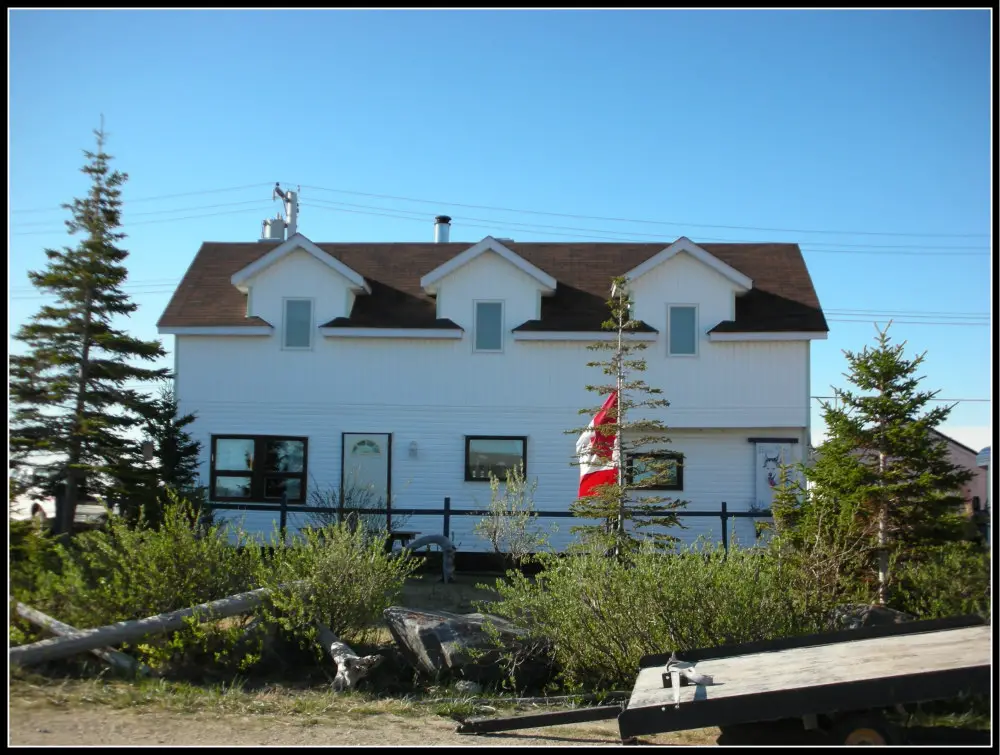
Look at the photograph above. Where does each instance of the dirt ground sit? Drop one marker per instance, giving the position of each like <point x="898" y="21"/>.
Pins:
<point x="39" y="723"/>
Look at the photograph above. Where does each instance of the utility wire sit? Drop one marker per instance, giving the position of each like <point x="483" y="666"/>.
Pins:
<point x="605" y="235"/>
<point x="161" y="196"/>
<point x="648" y="222"/>
<point x="659" y="237"/>
<point x="258" y="202"/>
<point x="147" y="222"/>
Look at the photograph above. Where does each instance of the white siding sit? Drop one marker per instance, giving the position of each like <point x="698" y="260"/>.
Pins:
<point x="299" y="275"/>
<point x="437" y="392"/>
<point x="517" y="290"/>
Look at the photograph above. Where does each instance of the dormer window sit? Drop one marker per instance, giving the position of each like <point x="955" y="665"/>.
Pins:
<point x="488" y="328"/>
<point x="297" y="328"/>
<point x="682" y="330"/>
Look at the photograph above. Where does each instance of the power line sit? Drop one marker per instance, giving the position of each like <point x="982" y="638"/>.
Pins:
<point x="939" y="400"/>
<point x="257" y="202"/>
<point x="889" y="312"/>
<point x="909" y="322"/>
<point x="625" y="236"/>
<point x="658" y="237"/>
<point x="161" y="196"/>
<point x="648" y="222"/>
<point x="147" y="222"/>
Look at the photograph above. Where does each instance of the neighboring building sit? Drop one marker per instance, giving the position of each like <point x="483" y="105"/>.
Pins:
<point x="412" y="368"/>
<point x="976" y="490"/>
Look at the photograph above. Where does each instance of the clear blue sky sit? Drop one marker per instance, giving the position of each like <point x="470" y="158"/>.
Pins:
<point x="804" y="121"/>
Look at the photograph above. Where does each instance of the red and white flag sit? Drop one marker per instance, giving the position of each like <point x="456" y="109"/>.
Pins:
<point x="598" y="452"/>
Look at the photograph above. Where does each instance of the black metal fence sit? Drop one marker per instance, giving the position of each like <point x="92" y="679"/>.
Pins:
<point x="447" y="512"/>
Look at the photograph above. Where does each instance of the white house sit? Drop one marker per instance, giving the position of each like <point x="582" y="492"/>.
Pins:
<point x="415" y="367"/>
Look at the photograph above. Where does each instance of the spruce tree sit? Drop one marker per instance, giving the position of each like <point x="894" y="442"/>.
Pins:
<point x="622" y="507"/>
<point x="175" y="458"/>
<point x="882" y="483"/>
<point x="74" y="391"/>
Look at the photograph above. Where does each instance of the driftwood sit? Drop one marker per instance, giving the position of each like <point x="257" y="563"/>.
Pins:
<point x="447" y="552"/>
<point x="121" y="661"/>
<point x="88" y="640"/>
<point x="351" y="668"/>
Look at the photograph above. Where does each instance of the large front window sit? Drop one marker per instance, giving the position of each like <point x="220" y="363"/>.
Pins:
<point x="496" y="454"/>
<point x="258" y="468"/>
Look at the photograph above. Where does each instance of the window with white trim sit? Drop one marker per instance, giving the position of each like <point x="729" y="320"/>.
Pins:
<point x="488" y="327"/>
<point x="298" y="324"/>
<point x="682" y="330"/>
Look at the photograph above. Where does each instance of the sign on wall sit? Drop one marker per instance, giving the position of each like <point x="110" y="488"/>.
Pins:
<point x="770" y="456"/>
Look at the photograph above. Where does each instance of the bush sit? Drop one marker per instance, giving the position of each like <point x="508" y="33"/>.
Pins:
<point x="127" y="572"/>
<point x="600" y="616"/>
<point x="511" y="526"/>
<point x="946" y="580"/>
<point x="333" y="576"/>
<point x="336" y="576"/>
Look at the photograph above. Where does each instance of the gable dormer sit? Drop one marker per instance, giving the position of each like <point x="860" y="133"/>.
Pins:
<point x="488" y="286"/>
<point x="299" y="280"/>
<point x="688" y="285"/>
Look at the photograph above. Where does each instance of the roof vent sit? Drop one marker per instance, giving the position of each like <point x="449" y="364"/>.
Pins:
<point x="442" y="226"/>
<point x="505" y="240"/>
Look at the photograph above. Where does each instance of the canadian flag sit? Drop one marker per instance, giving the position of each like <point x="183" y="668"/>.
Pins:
<point x="598" y="452"/>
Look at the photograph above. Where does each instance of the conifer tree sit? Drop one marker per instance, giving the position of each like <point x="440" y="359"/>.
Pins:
<point x="622" y="507"/>
<point x="74" y="390"/>
<point x="882" y="480"/>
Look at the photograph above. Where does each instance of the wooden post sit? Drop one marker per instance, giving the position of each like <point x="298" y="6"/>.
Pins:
<point x="725" y="528"/>
<point x="447" y="518"/>
<point x="284" y="515"/>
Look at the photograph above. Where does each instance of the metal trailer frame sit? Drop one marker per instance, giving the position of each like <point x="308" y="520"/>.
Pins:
<point x="816" y="701"/>
<point x="814" y="704"/>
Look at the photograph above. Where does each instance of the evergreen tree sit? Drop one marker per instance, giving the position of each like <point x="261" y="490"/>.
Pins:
<point x="175" y="453"/>
<point x="174" y="462"/>
<point x="622" y="507"/>
<point x="882" y="483"/>
<point x="74" y="390"/>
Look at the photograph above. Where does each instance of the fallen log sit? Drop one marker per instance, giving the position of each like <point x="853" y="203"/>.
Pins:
<point x="121" y="661"/>
<point x="351" y="668"/>
<point x="88" y="640"/>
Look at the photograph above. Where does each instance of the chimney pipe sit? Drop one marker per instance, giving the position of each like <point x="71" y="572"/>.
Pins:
<point x="442" y="225"/>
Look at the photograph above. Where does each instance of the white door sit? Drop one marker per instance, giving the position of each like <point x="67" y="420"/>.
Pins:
<point x="367" y="474"/>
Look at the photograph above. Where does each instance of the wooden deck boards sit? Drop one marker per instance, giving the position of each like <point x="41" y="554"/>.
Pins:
<point x="795" y="668"/>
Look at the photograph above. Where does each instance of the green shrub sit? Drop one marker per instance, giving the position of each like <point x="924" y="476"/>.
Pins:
<point x="124" y="572"/>
<point x="341" y="578"/>
<point x="946" y="580"/>
<point x="334" y="576"/>
<point x="600" y="616"/>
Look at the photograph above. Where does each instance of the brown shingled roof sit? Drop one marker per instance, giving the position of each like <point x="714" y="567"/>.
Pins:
<point x="782" y="299"/>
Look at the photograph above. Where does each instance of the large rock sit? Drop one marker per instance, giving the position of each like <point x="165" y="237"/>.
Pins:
<point x="442" y="644"/>
<point x="855" y="616"/>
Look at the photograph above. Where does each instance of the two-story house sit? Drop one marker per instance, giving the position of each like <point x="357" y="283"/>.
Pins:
<point x="413" y="368"/>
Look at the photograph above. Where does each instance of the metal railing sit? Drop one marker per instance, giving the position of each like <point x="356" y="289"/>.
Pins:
<point x="447" y="512"/>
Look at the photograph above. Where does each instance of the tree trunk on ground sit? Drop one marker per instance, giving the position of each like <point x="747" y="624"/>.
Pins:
<point x="119" y="660"/>
<point x="86" y="640"/>
<point x="351" y="668"/>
